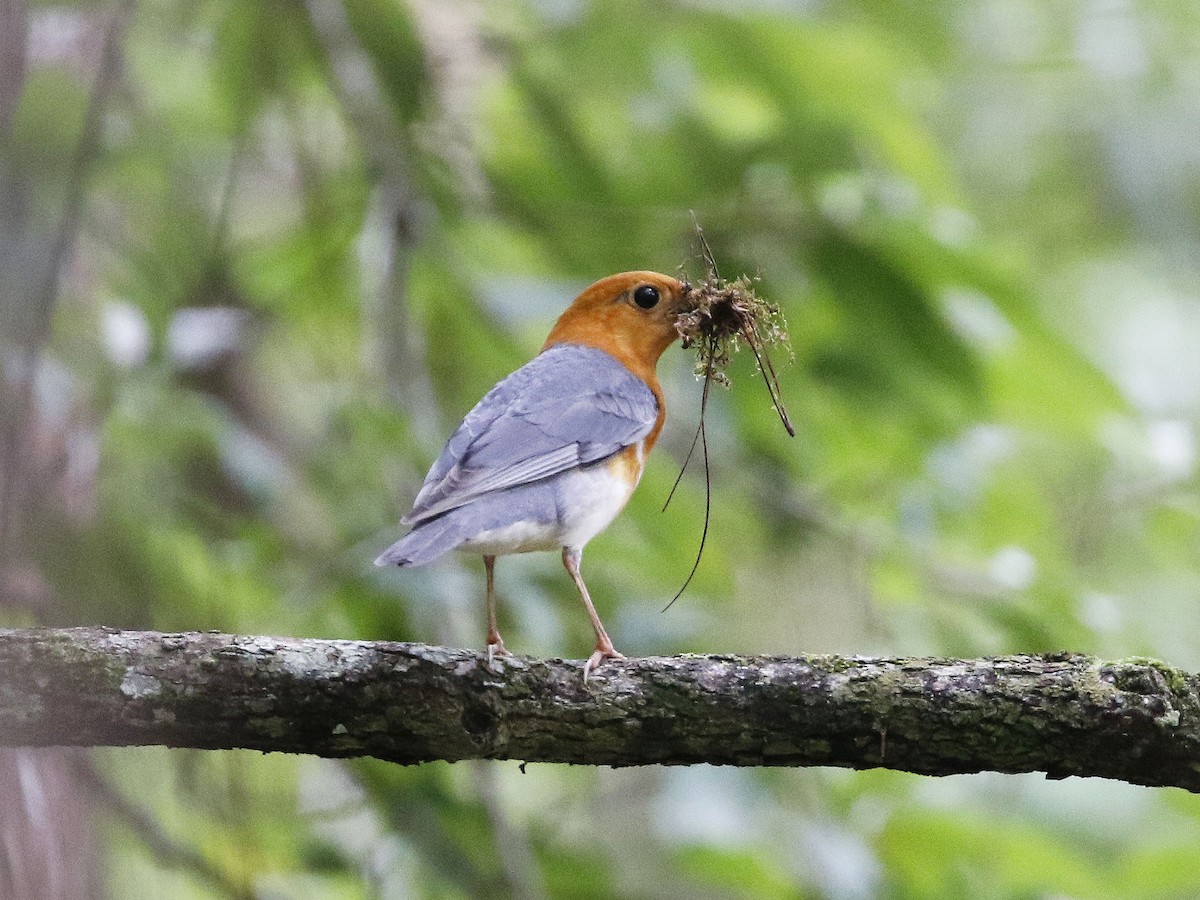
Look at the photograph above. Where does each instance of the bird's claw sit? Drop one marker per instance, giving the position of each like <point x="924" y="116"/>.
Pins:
<point x="601" y="653"/>
<point x="496" y="648"/>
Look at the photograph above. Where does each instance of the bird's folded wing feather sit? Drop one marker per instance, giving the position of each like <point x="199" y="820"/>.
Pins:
<point x="569" y="406"/>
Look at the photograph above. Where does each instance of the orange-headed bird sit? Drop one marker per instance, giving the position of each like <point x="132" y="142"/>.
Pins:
<point x="549" y="457"/>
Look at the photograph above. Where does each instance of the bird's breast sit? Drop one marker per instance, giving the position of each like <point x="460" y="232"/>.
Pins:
<point x="564" y="510"/>
<point x="626" y="465"/>
<point x="592" y="496"/>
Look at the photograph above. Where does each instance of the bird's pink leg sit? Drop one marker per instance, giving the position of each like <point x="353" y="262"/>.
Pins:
<point x="604" y="646"/>
<point x="495" y="644"/>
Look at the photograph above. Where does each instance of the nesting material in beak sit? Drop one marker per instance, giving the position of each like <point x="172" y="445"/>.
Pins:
<point x="719" y="317"/>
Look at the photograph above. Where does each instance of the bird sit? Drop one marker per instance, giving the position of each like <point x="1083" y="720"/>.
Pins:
<point x="550" y="456"/>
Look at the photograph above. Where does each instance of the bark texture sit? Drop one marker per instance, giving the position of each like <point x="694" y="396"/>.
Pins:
<point x="1137" y="720"/>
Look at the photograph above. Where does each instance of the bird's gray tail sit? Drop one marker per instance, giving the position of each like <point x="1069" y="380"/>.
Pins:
<point x="423" y="544"/>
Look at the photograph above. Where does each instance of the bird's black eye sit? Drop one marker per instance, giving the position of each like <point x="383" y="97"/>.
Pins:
<point x="646" y="296"/>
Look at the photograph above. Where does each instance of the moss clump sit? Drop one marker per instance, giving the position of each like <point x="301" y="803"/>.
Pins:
<point x="720" y="316"/>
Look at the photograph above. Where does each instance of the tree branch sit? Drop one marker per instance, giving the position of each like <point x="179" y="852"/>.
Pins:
<point x="1136" y="720"/>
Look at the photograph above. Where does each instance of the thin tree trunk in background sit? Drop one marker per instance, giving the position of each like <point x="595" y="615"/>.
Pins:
<point x="47" y="844"/>
<point x="47" y="839"/>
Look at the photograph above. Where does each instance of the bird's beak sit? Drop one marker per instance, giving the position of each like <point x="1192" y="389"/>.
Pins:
<point x="686" y="302"/>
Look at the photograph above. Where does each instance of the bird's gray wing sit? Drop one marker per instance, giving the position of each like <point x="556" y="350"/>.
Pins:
<point x="569" y="406"/>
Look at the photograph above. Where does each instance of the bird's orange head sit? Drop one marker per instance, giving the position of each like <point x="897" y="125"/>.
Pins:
<point x="630" y="316"/>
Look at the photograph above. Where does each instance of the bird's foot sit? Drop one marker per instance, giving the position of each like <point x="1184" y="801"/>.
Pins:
<point x="602" y="652"/>
<point x="495" y="647"/>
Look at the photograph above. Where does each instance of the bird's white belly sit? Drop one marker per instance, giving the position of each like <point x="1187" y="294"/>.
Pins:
<point x="588" y="500"/>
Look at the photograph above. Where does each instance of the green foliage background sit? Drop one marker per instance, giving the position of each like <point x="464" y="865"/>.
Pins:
<point x="310" y="236"/>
